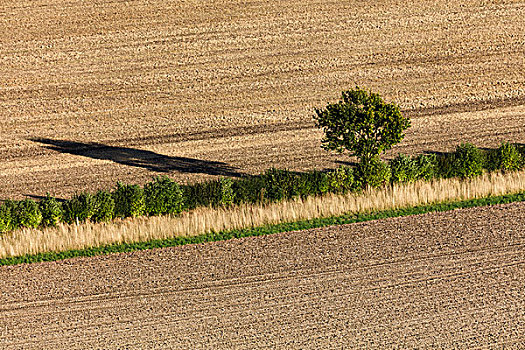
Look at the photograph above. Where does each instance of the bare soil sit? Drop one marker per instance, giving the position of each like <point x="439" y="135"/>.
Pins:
<point x="448" y="280"/>
<point x="99" y="91"/>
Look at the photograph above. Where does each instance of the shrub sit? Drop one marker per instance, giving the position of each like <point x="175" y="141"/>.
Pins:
<point x="163" y="196"/>
<point x="507" y="157"/>
<point x="280" y="184"/>
<point x="191" y="195"/>
<point x="205" y="194"/>
<point x="404" y="169"/>
<point x="312" y="183"/>
<point x="224" y="193"/>
<point x="7" y="211"/>
<point x="104" y="206"/>
<point x="27" y="214"/>
<point x="407" y="169"/>
<point x="79" y="208"/>
<point x="467" y="161"/>
<point x="372" y="174"/>
<point x="248" y="190"/>
<point x="52" y="211"/>
<point x="427" y="166"/>
<point x="129" y="200"/>
<point x="340" y="180"/>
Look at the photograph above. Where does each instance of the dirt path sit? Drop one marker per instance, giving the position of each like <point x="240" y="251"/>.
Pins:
<point x="449" y="280"/>
<point x="196" y="89"/>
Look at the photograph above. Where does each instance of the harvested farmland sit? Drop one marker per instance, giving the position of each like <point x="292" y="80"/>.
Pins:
<point x="91" y="93"/>
<point x="448" y="280"/>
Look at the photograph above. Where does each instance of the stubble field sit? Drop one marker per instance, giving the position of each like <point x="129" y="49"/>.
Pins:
<point x="95" y="92"/>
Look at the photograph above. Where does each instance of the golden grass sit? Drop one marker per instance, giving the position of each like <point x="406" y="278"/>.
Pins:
<point x="203" y="220"/>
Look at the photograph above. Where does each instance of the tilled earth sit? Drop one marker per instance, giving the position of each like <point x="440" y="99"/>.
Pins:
<point x="448" y="280"/>
<point x="92" y="92"/>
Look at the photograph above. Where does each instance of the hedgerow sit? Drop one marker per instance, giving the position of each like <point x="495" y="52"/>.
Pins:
<point x="164" y="196"/>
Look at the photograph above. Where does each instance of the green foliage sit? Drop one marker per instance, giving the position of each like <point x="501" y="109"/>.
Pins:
<point x="7" y="212"/>
<point x="407" y="169"/>
<point x="163" y="196"/>
<point x="211" y="193"/>
<point x="404" y="169"/>
<point x="248" y="190"/>
<point x="373" y="174"/>
<point x="104" y="207"/>
<point x="224" y="194"/>
<point x="312" y="183"/>
<point x="340" y="180"/>
<point x="361" y="123"/>
<point x="79" y="208"/>
<point x="280" y="184"/>
<point x="427" y="166"/>
<point x="507" y="158"/>
<point x="52" y="212"/>
<point x="129" y="200"/>
<point x="28" y="214"/>
<point x="467" y="161"/>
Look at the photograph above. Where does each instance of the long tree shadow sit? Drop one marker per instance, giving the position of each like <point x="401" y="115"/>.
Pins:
<point x="140" y="158"/>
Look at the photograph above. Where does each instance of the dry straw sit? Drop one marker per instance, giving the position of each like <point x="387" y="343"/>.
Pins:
<point x="203" y="220"/>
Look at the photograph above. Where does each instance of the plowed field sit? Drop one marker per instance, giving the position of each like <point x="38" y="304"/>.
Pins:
<point x="92" y="92"/>
<point x="449" y="280"/>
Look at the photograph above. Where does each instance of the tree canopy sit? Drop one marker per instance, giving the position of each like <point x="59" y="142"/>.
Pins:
<point x="361" y="123"/>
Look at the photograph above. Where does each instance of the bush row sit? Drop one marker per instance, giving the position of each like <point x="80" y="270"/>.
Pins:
<point x="161" y="196"/>
<point x="164" y="196"/>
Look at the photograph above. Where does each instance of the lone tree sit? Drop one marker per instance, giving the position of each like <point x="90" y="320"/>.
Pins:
<point x="361" y="123"/>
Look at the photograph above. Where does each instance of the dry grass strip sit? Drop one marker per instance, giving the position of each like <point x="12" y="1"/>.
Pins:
<point x="204" y="220"/>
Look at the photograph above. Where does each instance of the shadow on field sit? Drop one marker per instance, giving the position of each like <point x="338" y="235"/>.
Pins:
<point x="139" y="158"/>
<point x="346" y="163"/>
<point x="39" y="197"/>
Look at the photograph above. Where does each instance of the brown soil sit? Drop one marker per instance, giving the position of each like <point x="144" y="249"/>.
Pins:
<point x="99" y="91"/>
<point x="447" y="280"/>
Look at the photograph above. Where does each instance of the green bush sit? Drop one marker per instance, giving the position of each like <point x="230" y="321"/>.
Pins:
<point x="248" y="190"/>
<point x="224" y="194"/>
<point x="404" y="169"/>
<point x="204" y="194"/>
<point x="312" y="183"/>
<point x="340" y="180"/>
<point x="79" y="208"/>
<point x="104" y="207"/>
<point x="163" y="196"/>
<point x="372" y="174"/>
<point x="27" y="214"/>
<point x="52" y="212"/>
<point x="192" y="196"/>
<point x="507" y="158"/>
<point x="468" y="161"/>
<point x="7" y="212"/>
<point x="129" y="200"/>
<point x="521" y="150"/>
<point x="280" y="184"/>
<point x="407" y="169"/>
<point x="427" y="166"/>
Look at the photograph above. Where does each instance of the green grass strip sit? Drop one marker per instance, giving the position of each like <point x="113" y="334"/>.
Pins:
<point x="263" y="230"/>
